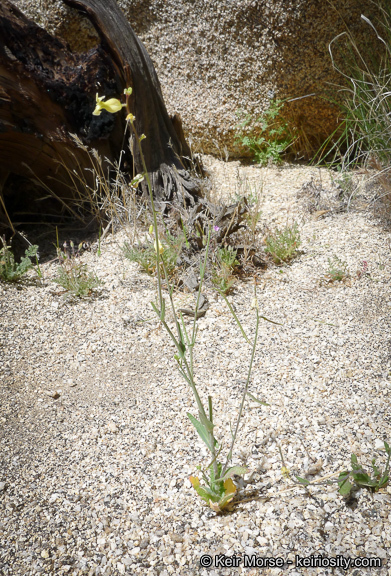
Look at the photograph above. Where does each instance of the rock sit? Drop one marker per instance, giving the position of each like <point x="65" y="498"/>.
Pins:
<point x="315" y="468"/>
<point x="379" y="444"/>
<point x="120" y="568"/>
<point x="236" y="56"/>
<point x="3" y="486"/>
<point x="112" y="427"/>
<point x="54" y="394"/>
<point x="176" y="537"/>
<point x="144" y="543"/>
<point x="45" y="553"/>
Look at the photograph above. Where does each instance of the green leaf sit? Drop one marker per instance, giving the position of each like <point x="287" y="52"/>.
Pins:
<point x="256" y="400"/>
<point x="225" y="500"/>
<point x="343" y="475"/>
<point x="234" y="470"/>
<point x="206" y="423"/>
<point x="206" y="494"/>
<point x="31" y="251"/>
<point x="302" y="481"/>
<point x="354" y="461"/>
<point x="387" y="448"/>
<point x="181" y="349"/>
<point x="345" y="488"/>
<point x="202" y="432"/>
<point x="375" y="469"/>
<point x="363" y="479"/>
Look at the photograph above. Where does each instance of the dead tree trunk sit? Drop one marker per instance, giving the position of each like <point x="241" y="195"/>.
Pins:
<point x="48" y="93"/>
<point x="165" y="148"/>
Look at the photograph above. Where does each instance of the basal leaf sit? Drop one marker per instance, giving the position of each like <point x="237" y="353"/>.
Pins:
<point x="234" y="470"/>
<point x="230" y="491"/>
<point x="199" y="489"/>
<point x="354" y="462"/>
<point x="345" y="488"/>
<point x="364" y="479"/>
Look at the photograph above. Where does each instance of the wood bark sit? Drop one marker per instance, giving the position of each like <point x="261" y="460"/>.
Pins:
<point x="165" y="149"/>
<point x="47" y="93"/>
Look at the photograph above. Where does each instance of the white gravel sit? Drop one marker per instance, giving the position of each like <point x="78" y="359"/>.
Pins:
<point x="96" y="448"/>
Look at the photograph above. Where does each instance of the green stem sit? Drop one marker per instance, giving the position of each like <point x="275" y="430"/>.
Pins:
<point x="202" y="274"/>
<point x="159" y="282"/>
<point x="229" y="456"/>
<point x="235" y="317"/>
<point x="189" y="369"/>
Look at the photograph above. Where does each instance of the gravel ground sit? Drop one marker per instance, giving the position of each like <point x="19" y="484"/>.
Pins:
<point x="96" y="448"/>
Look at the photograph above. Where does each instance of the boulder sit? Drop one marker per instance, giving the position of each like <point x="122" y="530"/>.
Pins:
<point x="216" y="59"/>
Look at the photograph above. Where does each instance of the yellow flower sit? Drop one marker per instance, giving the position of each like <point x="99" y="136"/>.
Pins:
<point x="113" y="105"/>
<point x="161" y="248"/>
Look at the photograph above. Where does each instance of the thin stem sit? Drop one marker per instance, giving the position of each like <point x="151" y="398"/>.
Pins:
<point x="235" y="317"/>
<point x="159" y="282"/>
<point x="184" y="363"/>
<point x="202" y="274"/>
<point x="229" y="456"/>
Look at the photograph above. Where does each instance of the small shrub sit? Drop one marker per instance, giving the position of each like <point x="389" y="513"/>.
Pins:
<point x="74" y="277"/>
<point x="283" y="244"/>
<point x="145" y="255"/>
<point x="352" y="480"/>
<point x="338" y="270"/>
<point x="222" y="276"/>
<point x="10" y="271"/>
<point x="268" y="137"/>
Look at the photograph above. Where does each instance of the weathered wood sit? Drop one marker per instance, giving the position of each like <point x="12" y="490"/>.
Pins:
<point x="48" y="93"/>
<point x="165" y="146"/>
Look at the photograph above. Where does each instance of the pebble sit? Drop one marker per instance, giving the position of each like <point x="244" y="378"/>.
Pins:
<point x="97" y="482"/>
